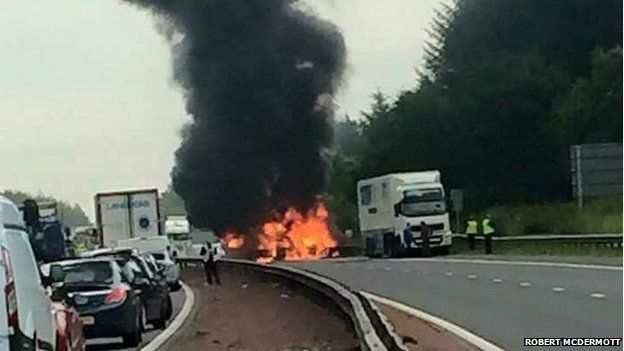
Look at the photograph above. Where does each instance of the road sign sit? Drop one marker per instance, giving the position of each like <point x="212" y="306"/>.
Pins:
<point x="596" y="170"/>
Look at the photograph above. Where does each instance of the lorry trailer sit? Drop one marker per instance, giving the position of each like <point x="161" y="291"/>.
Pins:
<point x="389" y="204"/>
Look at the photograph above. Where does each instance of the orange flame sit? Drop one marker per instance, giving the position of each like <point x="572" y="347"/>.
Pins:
<point x="292" y="236"/>
<point x="233" y="240"/>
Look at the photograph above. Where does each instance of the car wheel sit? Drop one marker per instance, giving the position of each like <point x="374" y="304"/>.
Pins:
<point x="164" y="314"/>
<point x="175" y="286"/>
<point x="169" y="308"/>
<point x="160" y="324"/>
<point x="133" y="337"/>
<point x="143" y="319"/>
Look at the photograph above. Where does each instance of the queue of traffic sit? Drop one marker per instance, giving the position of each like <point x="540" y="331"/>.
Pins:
<point x="109" y="292"/>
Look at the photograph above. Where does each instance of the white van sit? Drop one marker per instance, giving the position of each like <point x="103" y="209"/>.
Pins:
<point x="26" y="320"/>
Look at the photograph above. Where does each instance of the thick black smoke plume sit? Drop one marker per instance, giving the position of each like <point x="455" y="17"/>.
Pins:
<point x="258" y="78"/>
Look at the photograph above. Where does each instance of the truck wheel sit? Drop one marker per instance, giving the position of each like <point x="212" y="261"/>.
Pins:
<point x="391" y="245"/>
<point x="369" y="247"/>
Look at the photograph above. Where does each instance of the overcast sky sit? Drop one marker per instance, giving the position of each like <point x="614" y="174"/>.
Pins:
<point x="87" y="103"/>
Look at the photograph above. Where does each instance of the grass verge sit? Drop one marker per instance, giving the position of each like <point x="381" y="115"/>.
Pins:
<point x="601" y="215"/>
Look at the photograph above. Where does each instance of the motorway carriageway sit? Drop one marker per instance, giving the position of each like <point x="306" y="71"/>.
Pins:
<point x="503" y="302"/>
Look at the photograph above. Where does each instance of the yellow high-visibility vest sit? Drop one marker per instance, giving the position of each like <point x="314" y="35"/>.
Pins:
<point x="471" y="228"/>
<point x="487" y="228"/>
<point x="80" y="248"/>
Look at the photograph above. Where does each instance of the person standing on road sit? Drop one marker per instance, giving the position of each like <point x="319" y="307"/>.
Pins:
<point x="210" y="265"/>
<point x="471" y="231"/>
<point x="488" y="232"/>
<point x="69" y="245"/>
<point x="425" y="234"/>
<point x="408" y="236"/>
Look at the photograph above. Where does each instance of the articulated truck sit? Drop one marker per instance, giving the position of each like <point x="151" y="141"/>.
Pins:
<point x="390" y="203"/>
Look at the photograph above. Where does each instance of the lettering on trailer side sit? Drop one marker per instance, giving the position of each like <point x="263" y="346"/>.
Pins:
<point x="124" y="205"/>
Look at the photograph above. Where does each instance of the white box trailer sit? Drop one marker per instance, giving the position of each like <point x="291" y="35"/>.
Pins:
<point x="127" y="214"/>
<point x="390" y="203"/>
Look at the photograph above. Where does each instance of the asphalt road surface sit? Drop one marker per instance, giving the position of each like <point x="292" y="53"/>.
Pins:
<point x="103" y="344"/>
<point x="503" y="303"/>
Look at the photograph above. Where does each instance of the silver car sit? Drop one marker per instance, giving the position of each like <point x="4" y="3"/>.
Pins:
<point x="168" y="268"/>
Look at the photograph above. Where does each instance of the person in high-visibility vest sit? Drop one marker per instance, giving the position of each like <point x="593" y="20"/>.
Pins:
<point x="471" y="231"/>
<point x="488" y="232"/>
<point x="79" y="247"/>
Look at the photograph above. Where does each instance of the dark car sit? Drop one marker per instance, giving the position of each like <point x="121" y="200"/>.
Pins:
<point x="151" y="287"/>
<point x="102" y="295"/>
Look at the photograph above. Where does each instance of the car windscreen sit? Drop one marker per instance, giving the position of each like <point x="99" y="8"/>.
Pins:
<point x="83" y="273"/>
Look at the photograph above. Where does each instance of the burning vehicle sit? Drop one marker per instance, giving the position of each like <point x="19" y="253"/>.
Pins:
<point x="259" y="79"/>
<point x="290" y="236"/>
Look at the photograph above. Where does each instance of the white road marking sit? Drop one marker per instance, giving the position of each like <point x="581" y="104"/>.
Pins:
<point x="472" y="276"/>
<point x="460" y="332"/>
<point x="388" y="268"/>
<point x="448" y="274"/>
<point x="597" y="296"/>
<point x="175" y="324"/>
<point x="512" y="263"/>
<point x="558" y="289"/>
<point x="497" y="280"/>
<point x="525" y="284"/>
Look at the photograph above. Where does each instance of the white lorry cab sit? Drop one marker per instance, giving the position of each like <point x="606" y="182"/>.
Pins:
<point x="178" y="231"/>
<point x="26" y="319"/>
<point x="388" y="204"/>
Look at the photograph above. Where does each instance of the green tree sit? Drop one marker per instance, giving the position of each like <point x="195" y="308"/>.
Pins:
<point x="483" y="113"/>
<point x="562" y="32"/>
<point x="171" y="203"/>
<point x="379" y="129"/>
<point x="342" y="198"/>
<point x="506" y="150"/>
<point x="591" y="111"/>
